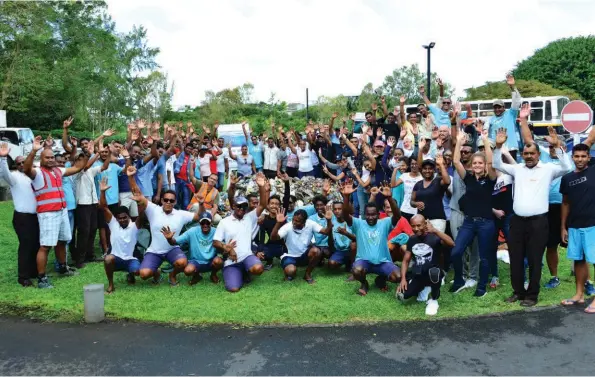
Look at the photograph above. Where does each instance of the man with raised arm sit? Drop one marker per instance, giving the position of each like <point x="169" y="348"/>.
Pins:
<point x="529" y="224"/>
<point x="440" y="111"/>
<point x="54" y="227"/>
<point x="372" y="254"/>
<point x="506" y="118"/>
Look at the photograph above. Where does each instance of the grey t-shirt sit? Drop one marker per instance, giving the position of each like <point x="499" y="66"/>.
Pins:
<point x="458" y="190"/>
<point x="282" y="155"/>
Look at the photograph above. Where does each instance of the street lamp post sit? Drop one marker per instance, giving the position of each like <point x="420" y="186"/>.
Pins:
<point x="429" y="47"/>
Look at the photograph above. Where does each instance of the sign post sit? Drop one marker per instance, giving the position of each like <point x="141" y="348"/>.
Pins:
<point x="576" y="117"/>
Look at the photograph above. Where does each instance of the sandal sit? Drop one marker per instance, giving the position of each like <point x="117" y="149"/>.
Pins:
<point x="310" y="280"/>
<point x="363" y="290"/>
<point x="590" y="309"/>
<point x="571" y="302"/>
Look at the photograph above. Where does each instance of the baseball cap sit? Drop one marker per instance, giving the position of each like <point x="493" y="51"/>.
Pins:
<point x="428" y="162"/>
<point x="379" y="143"/>
<point x="205" y="216"/>
<point x="499" y="102"/>
<point x="240" y="200"/>
<point x="480" y="144"/>
<point x="204" y="148"/>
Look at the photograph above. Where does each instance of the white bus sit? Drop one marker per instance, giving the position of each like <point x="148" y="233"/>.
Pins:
<point x="545" y="111"/>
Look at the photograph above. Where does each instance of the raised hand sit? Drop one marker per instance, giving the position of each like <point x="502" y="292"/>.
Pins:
<point x="335" y="115"/>
<point x="347" y="187"/>
<point x="141" y="124"/>
<point x="382" y="99"/>
<point x="525" y="110"/>
<point x="124" y="152"/>
<point x="552" y="137"/>
<point x="67" y="122"/>
<point x="285" y="177"/>
<point x="130" y="171"/>
<point x="167" y="233"/>
<point x="365" y="129"/>
<point x="422" y="89"/>
<point x="4" y="150"/>
<point x="109" y="132"/>
<point x="49" y="141"/>
<point x="439" y="160"/>
<point x="103" y="186"/>
<point x="386" y="190"/>
<point x="91" y="147"/>
<point x="501" y="136"/>
<point x="402" y="100"/>
<point x="403" y="133"/>
<point x="379" y="132"/>
<point x="374" y="191"/>
<point x="439" y="81"/>
<point x="391" y="141"/>
<point x="457" y="108"/>
<point x="422" y="143"/>
<point x="328" y="214"/>
<point x="479" y="125"/>
<point x="260" y="179"/>
<point x="461" y="139"/>
<point x="281" y="216"/>
<point x="510" y="79"/>
<point x="374" y="107"/>
<point x="326" y="185"/>
<point x="234" y="179"/>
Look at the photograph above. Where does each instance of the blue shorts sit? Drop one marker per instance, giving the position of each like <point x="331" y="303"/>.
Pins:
<point x="202" y="266"/>
<point x="300" y="261"/>
<point x="340" y="257"/>
<point x="129" y="265"/>
<point x="382" y="269"/>
<point x="272" y="251"/>
<point x="581" y="244"/>
<point x="153" y="261"/>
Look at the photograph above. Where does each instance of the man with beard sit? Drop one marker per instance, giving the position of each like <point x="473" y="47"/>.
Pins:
<point x="424" y="248"/>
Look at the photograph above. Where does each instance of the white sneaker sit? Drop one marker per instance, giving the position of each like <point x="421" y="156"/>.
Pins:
<point x="503" y="256"/>
<point x="470" y="283"/>
<point x="432" y="307"/>
<point x="526" y="285"/>
<point x="443" y="281"/>
<point x="423" y="295"/>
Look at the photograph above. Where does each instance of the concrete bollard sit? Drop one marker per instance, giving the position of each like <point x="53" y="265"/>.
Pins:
<point x="94" y="301"/>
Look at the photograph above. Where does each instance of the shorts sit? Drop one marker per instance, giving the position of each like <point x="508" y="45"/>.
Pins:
<point x="300" y="261"/>
<point x="53" y="227"/>
<point x="153" y="261"/>
<point x="233" y="275"/>
<point x="381" y="269"/>
<point x="340" y="257"/>
<point x="202" y="267"/>
<point x="273" y="251"/>
<point x="581" y="244"/>
<point x="126" y="201"/>
<point x="554" y="218"/>
<point x="129" y="265"/>
<point x="325" y="250"/>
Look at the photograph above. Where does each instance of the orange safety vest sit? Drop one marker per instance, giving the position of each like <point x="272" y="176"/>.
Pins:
<point x="50" y="197"/>
<point x="209" y="197"/>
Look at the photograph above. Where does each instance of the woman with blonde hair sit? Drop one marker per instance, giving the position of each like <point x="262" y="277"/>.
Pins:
<point x="476" y="204"/>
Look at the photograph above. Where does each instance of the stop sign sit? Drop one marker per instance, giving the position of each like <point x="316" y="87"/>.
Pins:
<point x="577" y="116"/>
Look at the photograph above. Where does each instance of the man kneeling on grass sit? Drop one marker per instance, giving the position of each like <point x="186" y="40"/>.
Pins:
<point x="372" y="255"/>
<point x="297" y="235"/>
<point x="424" y="247"/>
<point x="122" y="238"/>
<point x="202" y="251"/>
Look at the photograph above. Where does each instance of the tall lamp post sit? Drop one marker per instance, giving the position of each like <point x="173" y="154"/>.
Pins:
<point x="429" y="47"/>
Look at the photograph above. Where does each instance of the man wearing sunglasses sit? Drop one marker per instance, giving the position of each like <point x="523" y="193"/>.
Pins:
<point x="24" y="219"/>
<point x="160" y="250"/>
<point x="440" y="111"/>
<point x="234" y="238"/>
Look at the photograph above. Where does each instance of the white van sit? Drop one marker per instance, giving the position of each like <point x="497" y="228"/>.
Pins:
<point x="20" y="142"/>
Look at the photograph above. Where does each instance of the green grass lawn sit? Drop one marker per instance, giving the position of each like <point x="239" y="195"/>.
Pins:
<point x="267" y="300"/>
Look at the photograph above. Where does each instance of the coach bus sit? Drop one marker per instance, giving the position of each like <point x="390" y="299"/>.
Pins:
<point x="545" y="111"/>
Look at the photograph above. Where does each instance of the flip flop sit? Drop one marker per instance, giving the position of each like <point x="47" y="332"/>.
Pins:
<point x="590" y="309"/>
<point x="158" y="280"/>
<point x="362" y="291"/>
<point x="172" y="283"/>
<point x="571" y="302"/>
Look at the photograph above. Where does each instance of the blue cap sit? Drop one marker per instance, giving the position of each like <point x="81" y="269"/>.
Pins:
<point x="240" y="200"/>
<point x="205" y="216"/>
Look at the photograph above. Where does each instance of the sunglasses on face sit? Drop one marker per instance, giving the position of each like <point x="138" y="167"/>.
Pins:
<point x="243" y="207"/>
<point x="172" y="201"/>
<point x="445" y="103"/>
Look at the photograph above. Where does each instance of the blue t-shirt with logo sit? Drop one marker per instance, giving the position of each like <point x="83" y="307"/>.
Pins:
<point x="341" y="242"/>
<point x="373" y="247"/>
<point x="200" y="244"/>
<point x="506" y="120"/>
<point x="319" y="238"/>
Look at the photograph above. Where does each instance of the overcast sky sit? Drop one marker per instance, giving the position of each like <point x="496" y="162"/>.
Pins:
<point x="337" y="46"/>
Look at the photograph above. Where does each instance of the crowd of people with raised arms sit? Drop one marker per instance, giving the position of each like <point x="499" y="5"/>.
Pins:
<point x="424" y="196"/>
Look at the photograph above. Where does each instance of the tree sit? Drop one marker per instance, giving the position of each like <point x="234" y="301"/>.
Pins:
<point x="527" y="88"/>
<point x="152" y="96"/>
<point x="564" y="64"/>
<point x="405" y="81"/>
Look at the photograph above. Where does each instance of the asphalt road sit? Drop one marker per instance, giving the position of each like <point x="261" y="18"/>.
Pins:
<point x="545" y="342"/>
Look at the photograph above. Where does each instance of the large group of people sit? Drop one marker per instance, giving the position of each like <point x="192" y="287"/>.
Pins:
<point x="422" y="194"/>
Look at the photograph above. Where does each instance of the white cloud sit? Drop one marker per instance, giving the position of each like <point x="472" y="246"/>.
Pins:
<point x="337" y="46"/>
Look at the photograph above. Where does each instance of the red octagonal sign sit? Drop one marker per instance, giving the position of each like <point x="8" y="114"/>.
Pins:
<point x="576" y="116"/>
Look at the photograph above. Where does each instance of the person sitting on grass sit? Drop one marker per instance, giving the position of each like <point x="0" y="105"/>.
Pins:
<point x="372" y="255"/>
<point x="297" y="235"/>
<point x="123" y="234"/>
<point x="424" y="246"/>
<point x="340" y="241"/>
<point x="233" y="237"/>
<point x="160" y="250"/>
<point x="202" y="252"/>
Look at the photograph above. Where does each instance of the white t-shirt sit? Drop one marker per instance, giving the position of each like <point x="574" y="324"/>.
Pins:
<point x="38" y="182"/>
<point x="297" y="241"/>
<point x="169" y="167"/>
<point x="221" y="160"/>
<point x="409" y="182"/>
<point x="205" y="167"/>
<point x="158" y="219"/>
<point x="305" y="159"/>
<point x="231" y="228"/>
<point x="123" y="240"/>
